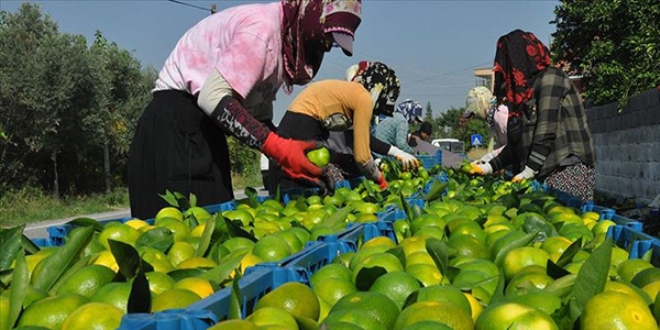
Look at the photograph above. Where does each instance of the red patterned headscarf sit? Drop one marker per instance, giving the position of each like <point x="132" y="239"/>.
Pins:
<point x="304" y="29"/>
<point x="520" y="57"/>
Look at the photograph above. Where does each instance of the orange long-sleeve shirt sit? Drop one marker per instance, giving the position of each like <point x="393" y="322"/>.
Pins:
<point x="327" y="97"/>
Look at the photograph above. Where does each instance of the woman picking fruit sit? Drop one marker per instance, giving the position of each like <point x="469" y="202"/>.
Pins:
<point x="335" y="105"/>
<point x="394" y="130"/>
<point x="221" y="79"/>
<point x="481" y="103"/>
<point x="547" y="133"/>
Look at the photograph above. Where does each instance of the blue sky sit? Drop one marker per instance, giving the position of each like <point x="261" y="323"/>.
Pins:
<point x="433" y="45"/>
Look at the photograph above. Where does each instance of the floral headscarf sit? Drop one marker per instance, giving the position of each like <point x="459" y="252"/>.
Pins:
<point x="520" y="57"/>
<point x="304" y="29"/>
<point x="381" y="82"/>
<point x="411" y="110"/>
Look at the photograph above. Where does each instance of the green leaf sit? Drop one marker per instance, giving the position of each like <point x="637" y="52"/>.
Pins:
<point x="251" y="193"/>
<point x="301" y="204"/>
<point x="516" y="243"/>
<point x="469" y="285"/>
<point x="221" y="272"/>
<point x="179" y="274"/>
<point x="192" y="200"/>
<point x="170" y="198"/>
<point x="440" y="252"/>
<point x="338" y="219"/>
<point x="406" y="208"/>
<point x="562" y="286"/>
<point x="182" y="201"/>
<point x="158" y="238"/>
<point x="81" y="222"/>
<point x="19" y="288"/>
<point x="10" y="244"/>
<point x="139" y="301"/>
<point x="235" y="299"/>
<point x="534" y="222"/>
<point x="205" y="240"/>
<point x="569" y="253"/>
<point x="656" y="305"/>
<point x="367" y="276"/>
<point x="278" y="193"/>
<point x="399" y="253"/>
<point x="235" y="230"/>
<point x="82" y="262"/>
<point x="28" y="245"/>
<point x="437" y="189"/>
<point x="57" y="264"/>
<point x="555" y="271"/>
<point x="498" y="294"/>
<point x="592" y="277"/>
<point x="128" y="259"/>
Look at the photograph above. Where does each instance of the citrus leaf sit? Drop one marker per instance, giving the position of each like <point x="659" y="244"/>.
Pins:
<point x="64" y="257"/>
<point x="278" y="193"/>
<point x="498" y="294"/>
<point x="10" y="244"/>
<point x="534" y="222"/>
<point x="139" y="301"/>
<point x="205" y="240"/>
<point x="128" y="259"/>
<point x="656" y="305"/>
<point x="562" y="286"/>
<point x="301" y="205"/>
<point x="82" y="262"/>
<point x="305" y="323"/>
<point x="338" y="219"/>
<point x="592" y="277"/>
<point x="182" y="201"/>
<point x="437" y="190"/>
<point x="398" y="252"/>
<point x="192" y="200"/>
<point x="469" y="285"/>
<point x="170" y="198"/>
<point x="179" y="274"/>
<point x="569" y="253"/>
<point x="235" y="299"/>
<point x="555" y="271"/>
<point x="221" y="272"/>
<point x="80" y="222"/>
<point x="29" y="246"/>
<point x="516" y="243"/>
<point x="251" y="193"/>
<point x="158" y="238"/>
<point x="562" y="317"/>
<point x="235" y="230"/>
<point x="19" y="286"/>
<point x="406" y="208"/>
<point x="440" y="252"/>
<point x="367" y="275"/>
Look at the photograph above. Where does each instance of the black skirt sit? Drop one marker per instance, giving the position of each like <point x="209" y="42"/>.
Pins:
<point x="177" y="147"/>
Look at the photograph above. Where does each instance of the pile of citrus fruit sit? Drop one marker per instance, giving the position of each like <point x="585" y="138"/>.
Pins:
<point x="475" y="253"/>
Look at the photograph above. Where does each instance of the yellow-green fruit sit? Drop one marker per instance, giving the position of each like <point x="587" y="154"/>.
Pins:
<point x="87" y="280"/>
<point x="51" y="312"/>
<point x="319" y="157"/>
<point x="610" y="308"/>
<point x="96" y="316"/>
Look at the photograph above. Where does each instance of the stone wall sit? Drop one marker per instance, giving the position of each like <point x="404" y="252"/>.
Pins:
<point x="628" y="147"/>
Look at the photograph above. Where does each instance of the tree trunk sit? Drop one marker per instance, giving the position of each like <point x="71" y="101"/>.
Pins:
<point x="56" y="183"/>
<point x="106" y="165"/>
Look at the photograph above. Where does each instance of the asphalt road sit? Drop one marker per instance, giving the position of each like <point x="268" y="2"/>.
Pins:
<point x="40" y="229"/>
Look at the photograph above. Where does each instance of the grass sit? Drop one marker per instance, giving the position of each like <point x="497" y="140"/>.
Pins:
<point x="29" y="205"/>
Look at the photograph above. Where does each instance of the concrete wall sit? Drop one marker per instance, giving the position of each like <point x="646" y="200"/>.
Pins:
<point x="628" y="147"/>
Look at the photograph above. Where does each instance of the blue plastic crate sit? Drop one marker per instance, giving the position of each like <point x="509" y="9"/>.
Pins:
<point x="60" y="232"/>
<point x="173" y="319"/>
<point x="257" y="282"/>
<point x="317" y="255"/>
<point x="429" y="161"/>
<point x="365" y="231"/>
<point x="631" y="240"/>
<point x="44" y="242"/>
<point x="391" y="215"/>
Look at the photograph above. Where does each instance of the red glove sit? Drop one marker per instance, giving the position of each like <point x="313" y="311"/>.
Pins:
<point x="292" y="155"/>
<point x="382" y="183"/>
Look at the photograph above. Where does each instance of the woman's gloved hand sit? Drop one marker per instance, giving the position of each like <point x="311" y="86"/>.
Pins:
<point x="407" y="160"/>
<point x="292" y="155"/>
<point x="487" y="157"/>
<point x="481" y="169"/>
<point x="526" y="174"/>
<point x="371" y="172"/>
